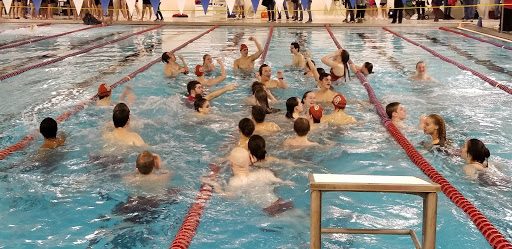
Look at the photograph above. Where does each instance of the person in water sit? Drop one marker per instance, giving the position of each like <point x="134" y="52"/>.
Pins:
<point x="315" y="116"/>
<point x="396" y="112"/>
<point x="202" y="105"/>
<point x="195" y="87"/>
<point x="308" y="100"/>
<point x="339" y="117"/>
<point x="421" y="73"/>
<point x="366" y="69"/>
<point x="258" y="153"/>
<point x="171" y="67"/>
<point x="476" y="156"/>
<point x="434" y="126"/>
<point x="325" y="94"/>
<point x="298" y="58"/>
<point x="338" y="64"/>
<point x="301" y="127"/>
<point x="258" y="114"/>
<point x="256" y="85"/>
<point x="246" y="62"/>
<point x="149" y="176"/>
<point x="121" y="135"/>
<point x="48" y="128"/>
<point x="208" y="65"/>
<point x="246" y="129"/>
<point x="264" y="76"/>
<point x="294" y="107"/>
<point x="105" y="95"/>
<point x="199" y="70"/>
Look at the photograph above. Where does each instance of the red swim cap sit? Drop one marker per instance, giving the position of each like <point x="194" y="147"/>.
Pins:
<point x="199" y="70"/>
<point x="104" y="90"/>
<point x="339" y="101"/>
<point x="243" y="46"/>
<point x="316" y="111"/>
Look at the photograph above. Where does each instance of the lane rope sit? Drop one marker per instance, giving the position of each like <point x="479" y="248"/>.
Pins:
<point x="476" y="38"/>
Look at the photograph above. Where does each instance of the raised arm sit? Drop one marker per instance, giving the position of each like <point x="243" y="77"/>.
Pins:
<point x="219" y="79"/>
<point x="280" y="78"/>
<point x="327" y="59"/>
<point x="128" y="94"/>
<point x="184" y="63"/>
<point x="260" y="50"/>
<point x="312" y="66"/>
<point x="219" y="92"/>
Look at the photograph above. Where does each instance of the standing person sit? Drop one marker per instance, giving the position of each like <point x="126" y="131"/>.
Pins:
<point x="146" y="4"/>
<point x="437" y="12"/>
<point x="349" y="10"/>
<point x="448" y="10"/>
<point x="361" y="6"/>
<point x="239" y="8"/>
<point x="2" y="9"/>
<point x="506" y="16"/>
<point x="270" y="4"/>
<point x="383" y="6"/>
<point x="285" y="8"/>
<point x="469" y="12"/>
<point x="51" y="5"/>
<point x="159" y="16"/>
<point x="373" y="9"/>
<point x="398" y="12"/>
<point x="297" y="10"/>
<point x="308" y="8"/>
<point x="420" y="4"/>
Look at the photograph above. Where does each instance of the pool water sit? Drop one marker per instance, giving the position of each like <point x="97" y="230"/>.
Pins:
<point x="68" y="197"/>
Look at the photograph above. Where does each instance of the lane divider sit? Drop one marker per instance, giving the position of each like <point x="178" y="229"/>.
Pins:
<point x="24" y="27"/>
<point x="267" y="44"/>
<point x="476" y="38"/>
<point x="20" y="71"/>
<point x="48" y="37"/>
<point x="491" y="234"/>
<point x="479" y="75"/>
<point x="27" y="139"/>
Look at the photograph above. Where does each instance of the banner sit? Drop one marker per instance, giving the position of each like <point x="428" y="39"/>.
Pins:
<point x="7" y="4"/>
<point x="181" y="5"/>
<point x="279" y="4"/>
<point x="104" y="5"/>
<point x="328" y="3"/>
<point x="155" y="4"/>
<point x="255" y="4"/>
<point x="37" y="5"/>
<point x="305" y="4"/>
<point x="78" y="6"/>
<point x="131" y="6"/>
<point x="353" y="3"/>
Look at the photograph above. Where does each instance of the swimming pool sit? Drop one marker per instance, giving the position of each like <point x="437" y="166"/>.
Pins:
<point x="66" y="198"/>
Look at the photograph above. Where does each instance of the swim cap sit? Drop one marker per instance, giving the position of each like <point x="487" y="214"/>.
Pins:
<point x="339" y="101"/>
<point x="199" y="70"/>
<point x="104" y="90"/>
<point x="316" y="111"/>
<point x="243" y="46"/>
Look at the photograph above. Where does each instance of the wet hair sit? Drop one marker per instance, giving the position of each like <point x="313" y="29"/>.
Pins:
<point x="392" y="107"/>
<point x="105" y="96"/>
<point x="291" y="103"/>
<point x="256" y="85"/>
<point x="199" y="102"/>
<point x="441" y="131"/>
<point x="145" y="162"/>
<point x="121" y="115"/>
<point x="301" y="127"/>
<point x="192" y="85"/>
<point x="296" y="46"/>
<point x="320" y="70"/>
<point x="345" y="57"/>
<point x="165" y="57"/>
<point x="246" y="126"/>
<point x="262" y="99"/>
<point x="258" y="113"/>
<point x="323" y="75"/>
<point x="304" y="96"/>
<point x="369" y="67"/>
<point x="48" y="128"/>
<point x="478" y="151"/>
<point x="420" y="62"/>
<point x="261" y="68"/>
<point x="204" y="57"/>
<point x="257" y="147"/>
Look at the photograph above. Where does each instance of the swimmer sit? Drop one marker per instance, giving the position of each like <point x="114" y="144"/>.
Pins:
<point x="246" y="62"/>
<point x="434" y="126"/>
<point x="256" y="85"/>
<point x="208" y="65"/>
<point x="311" y="69"/>
<point x="171" y="67"/>
<point x="298" y="59"/>
<point x="245" y="128"/>
<point x="105" y="94"/>
<point x="325" y="94"/>
<point x="301" y="127"/>
<point x="149" y="175"/>
<point x="48" y="128"/>
<point x="315" y="115"/>
<point x="338" y="64"/>
<point x="257" y="186"/>
<point x="202" y="105"/>
<point x="121" y="135"/>
<point x="258" y="153"/>
<point x="308" y="100"/>
<point x="258" y="114"/>
<point x="396" y="112"/>
<point x="477" y="158"/>
<point x="421" y="73"/>
<point x="366" y="69"/>
<point x="293" y="108"/>
<point x="264" y="74"/>
<point x="210" y="82"/>
<point x="308" y="68"/>
<point x="261" y="98"/>
<point x="338" y="117"/>
<point x="195" y="87"/>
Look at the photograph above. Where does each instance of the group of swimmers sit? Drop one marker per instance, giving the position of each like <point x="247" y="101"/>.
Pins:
<point x="306" y="113"/>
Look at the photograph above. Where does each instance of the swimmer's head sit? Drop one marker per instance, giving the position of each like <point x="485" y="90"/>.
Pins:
<point x="421" y="67"/>
<point x="246" y="127"/>
<point x="396" y="110"/>
<point x="435" y="126"/>
<point x="207" y="59"/>
<point x="320" y="70"/>
<point x="293" y="104"/>
<point x="145" y="162"/>
<point x="256" y="147"/>
<point x="244" y="49"/>
<point x="301" y="127"/>
<point x="199" y="71"/>
<point x="325" y="78"/>
<point x="48" y="128"/>
<point x="316" y="112"/>
<point x="475" y="150"/>
<point x="258" y="114"/>
<point x="261" y="97"/>
<point x="257" y="85"/>
<point x="345" y="56"/>
<point x="104" y="91"/>
<point x="202" y="105"/>
<point x="194" y="87"/>
<point x="239" y="159"/>
<point x="121" y="115"/>
<point x="309" y="99"/>
<point x="166" y="56"/>
<point x="265" y="71"/>
<point x="339" y="102"/>
<point x="367" y="68"/>
<point x="294" y="47"/>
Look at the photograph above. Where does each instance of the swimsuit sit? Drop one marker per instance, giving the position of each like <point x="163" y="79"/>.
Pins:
<point x="334" y="77"/>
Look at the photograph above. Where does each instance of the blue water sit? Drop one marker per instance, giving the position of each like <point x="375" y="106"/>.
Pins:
<point x="67" y="198"/>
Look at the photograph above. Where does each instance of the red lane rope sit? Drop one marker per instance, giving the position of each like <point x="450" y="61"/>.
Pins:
<point x="20" y="71"/>
<point x="188" y="228"/>
<point x="479" y="75"/>
<point x="493" y="236"/>
<point x="47" y="37"/>
<point x="476" y="38"/>
<point x="24" y="27"/>
<point x="267" y="44"/>
<point x="27" y="139"/>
